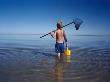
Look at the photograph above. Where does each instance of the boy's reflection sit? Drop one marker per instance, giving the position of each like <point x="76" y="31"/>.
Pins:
<point x="59" y="67"/>
<point x="59" y="64"/>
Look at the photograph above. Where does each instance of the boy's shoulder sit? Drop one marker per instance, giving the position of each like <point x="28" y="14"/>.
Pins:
<point x="59" y="30"/>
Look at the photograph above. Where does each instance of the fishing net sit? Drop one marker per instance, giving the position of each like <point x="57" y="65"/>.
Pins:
<point x="77" y="23"/>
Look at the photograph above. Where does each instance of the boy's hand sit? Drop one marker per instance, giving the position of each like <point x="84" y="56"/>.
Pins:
<point x="52" y="34"/>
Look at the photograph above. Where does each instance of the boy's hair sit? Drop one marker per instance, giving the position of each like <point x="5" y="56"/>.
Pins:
<point x="59" y="25"/>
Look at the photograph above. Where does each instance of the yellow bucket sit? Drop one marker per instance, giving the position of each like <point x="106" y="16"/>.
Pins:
<point x="67" y="52"/>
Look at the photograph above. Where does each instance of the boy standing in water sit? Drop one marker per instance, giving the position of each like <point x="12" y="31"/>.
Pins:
<point x="60" y="37"/>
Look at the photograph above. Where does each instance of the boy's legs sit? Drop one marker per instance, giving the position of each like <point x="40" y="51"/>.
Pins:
<point x="59" y="54"/>
<point x="62" y="56"/>
<point x="59" y="48"/>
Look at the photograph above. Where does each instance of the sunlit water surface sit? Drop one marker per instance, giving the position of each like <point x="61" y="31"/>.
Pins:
<point x="27" y="58"/>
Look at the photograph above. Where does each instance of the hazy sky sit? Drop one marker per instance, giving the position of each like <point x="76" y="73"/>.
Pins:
<point x="40" y="16"/>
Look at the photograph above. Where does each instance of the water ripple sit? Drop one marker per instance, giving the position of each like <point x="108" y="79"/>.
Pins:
<point x="32" y="65"/>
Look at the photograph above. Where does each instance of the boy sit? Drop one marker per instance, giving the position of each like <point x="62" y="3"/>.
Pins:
<point x="60" y="37"/>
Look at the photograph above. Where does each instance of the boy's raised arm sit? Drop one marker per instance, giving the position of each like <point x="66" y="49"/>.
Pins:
<point x="52" y="34"/>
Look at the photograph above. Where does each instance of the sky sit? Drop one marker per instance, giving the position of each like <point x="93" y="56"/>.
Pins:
<point x="41" y="16"/>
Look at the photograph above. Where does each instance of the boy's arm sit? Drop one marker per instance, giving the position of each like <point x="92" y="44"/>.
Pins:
<point x="65" y="38"/>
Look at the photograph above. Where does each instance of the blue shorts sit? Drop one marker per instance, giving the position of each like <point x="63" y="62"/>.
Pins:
<point x="59" y="47"/>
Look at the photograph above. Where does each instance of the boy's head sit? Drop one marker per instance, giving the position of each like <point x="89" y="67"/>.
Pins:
<point x="59" y="25"/>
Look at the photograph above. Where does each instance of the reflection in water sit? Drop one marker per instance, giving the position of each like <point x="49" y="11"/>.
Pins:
<point x="59" y="69"/>
<point x="68" y="59"/>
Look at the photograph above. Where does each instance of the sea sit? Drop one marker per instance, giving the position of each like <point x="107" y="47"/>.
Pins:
<point x="29" y="58"/>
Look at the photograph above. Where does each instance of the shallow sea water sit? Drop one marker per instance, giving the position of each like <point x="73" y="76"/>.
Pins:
<point x="27" y="58"/>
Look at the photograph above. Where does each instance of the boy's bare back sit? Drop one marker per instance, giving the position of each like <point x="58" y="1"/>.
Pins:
<point x="60" y="36"/>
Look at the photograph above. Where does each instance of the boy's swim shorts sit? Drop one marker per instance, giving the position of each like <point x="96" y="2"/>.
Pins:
<point x="59" y="47"/>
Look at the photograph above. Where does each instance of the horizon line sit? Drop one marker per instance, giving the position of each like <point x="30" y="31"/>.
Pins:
<point x="44" y="34"/>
